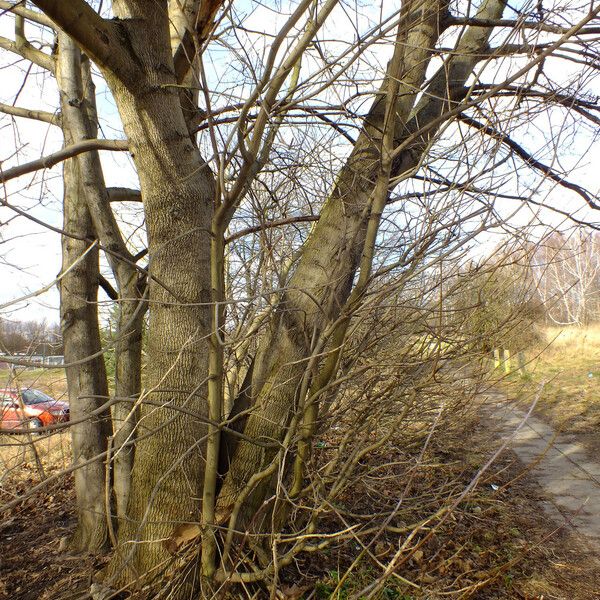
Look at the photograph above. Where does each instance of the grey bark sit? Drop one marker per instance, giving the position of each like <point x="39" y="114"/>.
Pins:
<point x="86" y="381"/>
<point x="80" y="118"/>
<point x="128" y="372"/>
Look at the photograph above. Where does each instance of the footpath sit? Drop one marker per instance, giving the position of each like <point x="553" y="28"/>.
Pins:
<point x="569" y="477"/>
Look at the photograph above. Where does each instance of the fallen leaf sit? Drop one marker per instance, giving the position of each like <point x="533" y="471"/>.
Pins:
<point x="293" y="592"/>
<point x="182" y="534"/>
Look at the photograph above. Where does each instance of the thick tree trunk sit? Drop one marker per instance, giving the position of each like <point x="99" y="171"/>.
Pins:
<point x="322" y="282"/>
<point x="168" y="467"/>
<point x="87" y="383"/>
<point x="178" y="192"/>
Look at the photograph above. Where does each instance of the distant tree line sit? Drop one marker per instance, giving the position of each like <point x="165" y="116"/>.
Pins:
<point x="566" y="271"/>
<point x="30" y="337"/>
<point x="504" y="296"/>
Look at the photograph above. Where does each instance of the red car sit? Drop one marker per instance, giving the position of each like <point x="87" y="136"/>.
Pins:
<point x="30" y="409"/>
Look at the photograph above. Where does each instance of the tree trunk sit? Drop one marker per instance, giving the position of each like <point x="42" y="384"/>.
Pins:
<point x="80" y="118"/>
<point x="128" y="371"/>
<point x="178" y="192"/>
<point x="86" y="381"/>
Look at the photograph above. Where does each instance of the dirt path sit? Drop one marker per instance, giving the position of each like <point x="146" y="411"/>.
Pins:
<point x="561" y="466"/>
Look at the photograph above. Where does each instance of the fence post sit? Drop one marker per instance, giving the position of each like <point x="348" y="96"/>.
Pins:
<point x="521" y="363"/>
<point x="506" y="358"/>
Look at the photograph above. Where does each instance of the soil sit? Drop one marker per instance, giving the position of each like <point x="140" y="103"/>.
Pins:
<point x="31" y="565"/>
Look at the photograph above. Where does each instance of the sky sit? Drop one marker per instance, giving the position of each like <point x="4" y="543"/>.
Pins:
<point x="30" y="255"/>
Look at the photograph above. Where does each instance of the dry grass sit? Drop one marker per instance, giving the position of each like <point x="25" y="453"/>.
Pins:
<point x="569" y="361"/>
<point x="51" y="381"/>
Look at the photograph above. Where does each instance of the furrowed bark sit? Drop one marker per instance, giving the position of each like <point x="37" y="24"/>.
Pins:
<point x="331" y="254"/>
<point x="177" y="191"/>
<point x="87" y="383"/>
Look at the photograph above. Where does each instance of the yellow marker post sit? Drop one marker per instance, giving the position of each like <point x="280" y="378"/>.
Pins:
<point x="497" y="358"/>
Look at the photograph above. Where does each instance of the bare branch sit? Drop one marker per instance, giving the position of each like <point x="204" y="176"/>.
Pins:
<point x="575" y="54"/>
<point x="121" y="194"/>
<point x="20" y="39"/>
<point x="140" y="255"/>
<point x="50" y="285"/>
<point x="28" y="52"/>
<point x="30" y="15"/>
<point x="26" y="113"/>
<point x="512" y="24"/>
<point x="572" y="102"/>
<point x="52" y="159"/>
<point x="204" y="22"/>
<point x="300" y="219"/>
<point x="530" y="160"/>
<point x="107" y="287"/>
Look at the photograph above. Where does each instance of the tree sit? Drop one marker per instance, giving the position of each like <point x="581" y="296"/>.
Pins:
<point x="442" y="128"/>
<point x="567" y="270"/>
<point x="29" y="337"/>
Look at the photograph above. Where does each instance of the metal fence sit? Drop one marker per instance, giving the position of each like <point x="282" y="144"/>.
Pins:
<point x="39" y="360"/>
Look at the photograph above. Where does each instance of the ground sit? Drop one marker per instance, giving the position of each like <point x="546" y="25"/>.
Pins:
<point x="498" y="542"/>
<point x="498" y="534"/>
<point x="31" y="565"/>
<point x="567" y="362"/>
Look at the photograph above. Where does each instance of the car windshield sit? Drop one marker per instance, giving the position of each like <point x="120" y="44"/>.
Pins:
<point x="35" y="397"/>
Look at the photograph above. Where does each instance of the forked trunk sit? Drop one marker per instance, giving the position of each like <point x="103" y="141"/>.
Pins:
<point x="86" y="375"/>
<point x="320" y="286"/>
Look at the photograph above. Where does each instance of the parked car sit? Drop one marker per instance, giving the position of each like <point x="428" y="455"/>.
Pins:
<point x="30" y="409"/>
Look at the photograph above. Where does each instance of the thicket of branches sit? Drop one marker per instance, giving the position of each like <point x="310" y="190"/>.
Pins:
<point x="289" y="274"/>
